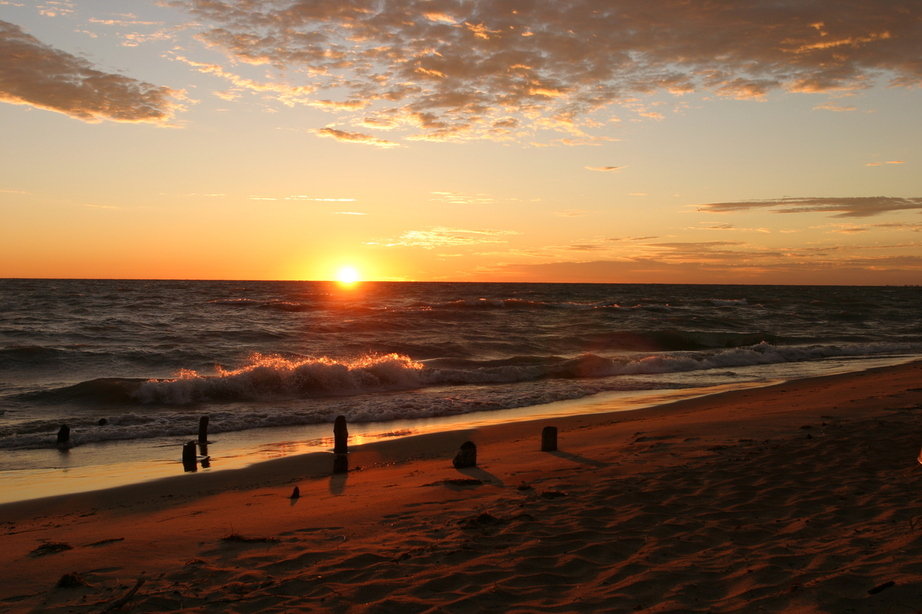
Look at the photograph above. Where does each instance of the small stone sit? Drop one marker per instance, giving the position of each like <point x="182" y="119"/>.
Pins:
<point x="71" y="580"/>
<point x="466" y="456"/>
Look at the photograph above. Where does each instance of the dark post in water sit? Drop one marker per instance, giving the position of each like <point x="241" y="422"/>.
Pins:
<point x="203" y="430"/>
<point x="340" y="436"/>
<point x="549" y="439"/>
<point x="466" y="456"/>
<point x="188" y="457"/>
<point x="64" y="436"/>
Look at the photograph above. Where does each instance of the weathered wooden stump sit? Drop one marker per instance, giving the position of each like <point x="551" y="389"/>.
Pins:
<point x="64" y="436"/>
<point x="466" y="456"/>
<point x="340" y="436"/>
<point x="549" y="439"/>
<point x="340" y="463"/>
<point x="203" y="430"/>
<point x="189" y="459"/>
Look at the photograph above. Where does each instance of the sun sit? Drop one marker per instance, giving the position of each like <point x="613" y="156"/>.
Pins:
<point x="348" y="275"/>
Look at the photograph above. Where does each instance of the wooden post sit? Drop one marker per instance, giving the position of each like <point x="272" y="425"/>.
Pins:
<point x="203" y="430"/>
<point x="549" y="439"/>
<point x="340" y="463"/>
<point x="340" y="436"/>
<point x="64" y="436"/>
<point x="466" y="456"/>
<point x="188" y="457"/>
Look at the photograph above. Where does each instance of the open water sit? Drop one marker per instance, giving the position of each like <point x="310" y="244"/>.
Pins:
<point x="134" y="360"/>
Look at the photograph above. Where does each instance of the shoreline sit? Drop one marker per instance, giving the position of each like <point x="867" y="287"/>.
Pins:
<point x="48" y="472"/>
<point x="796" y="496"/>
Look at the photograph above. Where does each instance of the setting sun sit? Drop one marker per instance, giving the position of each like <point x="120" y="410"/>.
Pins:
<point x="348" y="275"/>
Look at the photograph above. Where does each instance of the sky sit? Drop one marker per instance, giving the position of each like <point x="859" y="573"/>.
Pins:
<point x="622" y="141"/>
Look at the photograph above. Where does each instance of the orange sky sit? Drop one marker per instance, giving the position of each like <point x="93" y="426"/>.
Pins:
<point x="625" y="141"/>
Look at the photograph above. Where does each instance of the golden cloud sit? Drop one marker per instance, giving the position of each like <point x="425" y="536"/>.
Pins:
<point x="455" y="69"/>
<point x="33" y="73"/>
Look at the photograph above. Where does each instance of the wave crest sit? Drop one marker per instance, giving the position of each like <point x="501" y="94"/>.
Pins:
<point x="271" y="375"/>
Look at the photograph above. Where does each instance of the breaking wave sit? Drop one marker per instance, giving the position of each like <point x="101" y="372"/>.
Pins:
<point x="270" y="377"/>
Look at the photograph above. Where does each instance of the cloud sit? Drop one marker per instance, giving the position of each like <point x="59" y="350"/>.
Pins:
<point x="793" y="270"/>
<point x="894" y="226"/>
<point x="319" y="199"/>
<point x="506" y="69"/>
<point x="829" y="106"/>
<point x="887" y="162"/>
<point x="304" y="197"/>
<point x="457" y="198"/>
<point x="730" y="262"/>
<point x="124" y="22"/>
<point x="585" y="247"/>
<point x="452" y="237"/>
<point x="355" y="137"/>
<point x="32" y="73"/>
<point x="730" y="227"/>
<point x="55" y="8"/>
<point x="604" y="169"/>
<point x="285" y="93"/>
<point x="859" y="206"/>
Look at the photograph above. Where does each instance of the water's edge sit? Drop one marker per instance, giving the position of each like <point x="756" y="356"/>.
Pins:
<point x="32" y="474"/>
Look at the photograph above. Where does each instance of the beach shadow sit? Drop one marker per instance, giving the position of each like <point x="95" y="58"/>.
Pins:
<point x="576" y="458"/>
<point x="338" y="483"/>
<point x="479" y="474"/>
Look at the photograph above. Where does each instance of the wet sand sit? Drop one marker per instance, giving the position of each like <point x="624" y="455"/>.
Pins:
<point x="798" y="497"/>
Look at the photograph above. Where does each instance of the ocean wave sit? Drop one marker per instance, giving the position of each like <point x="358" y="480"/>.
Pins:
<point x="22" y="356"/>
<point x="268" y="378"/>
<point x="273" y="376"/>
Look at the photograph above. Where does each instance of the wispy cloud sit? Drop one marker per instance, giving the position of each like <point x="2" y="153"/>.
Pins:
<point x="730" y="228"/>
<point x="285" y="93"/>
<point x="55" y="8"/>
<point x="604" y="169"/>
<point x="304" y="197"/>
<point x="896" y="162"/>
<point x="355" y="137"/>
<point x="829" y="106"/>
<point x="458" y="198"/>
<point x="500" y="70"/>
<point x="320" y="199"/>
<point x="124" y="22"/>
<point x="731" y="262"/>
<point x="33" y="73"/>
<point x="451" y="237"/>
<point x="859" y="206"/>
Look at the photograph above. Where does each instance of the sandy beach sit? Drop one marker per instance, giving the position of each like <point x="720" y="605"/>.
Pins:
<point x="797" y="497"/>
